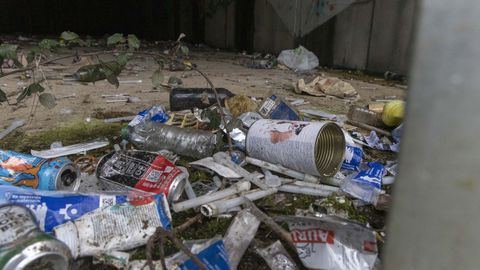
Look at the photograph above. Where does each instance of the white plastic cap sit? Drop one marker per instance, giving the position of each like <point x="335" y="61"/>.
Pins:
<point x="68" y="234"/>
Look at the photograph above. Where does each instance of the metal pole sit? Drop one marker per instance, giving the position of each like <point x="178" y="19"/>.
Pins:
<point x="435" y="221"/>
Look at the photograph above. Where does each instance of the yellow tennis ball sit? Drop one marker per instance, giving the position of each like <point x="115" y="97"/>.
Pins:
<point x="393" y="113"/>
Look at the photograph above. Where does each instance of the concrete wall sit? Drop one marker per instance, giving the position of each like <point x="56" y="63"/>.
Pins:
<point x="373" y="35"/>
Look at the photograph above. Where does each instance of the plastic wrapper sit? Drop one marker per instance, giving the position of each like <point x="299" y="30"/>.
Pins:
<point x="276" y="257"/>
<point x="375" y="142"/>
<point x="299" y="59"/>
<point x="54" y="208"/>
<point x="353" y="158"/>
<point x="156" y="114"/>
<point x="333" y="243"/>
<point x="211" y="252"/>
<point x="365" y="185"/>
<point x="239" y="235"/>
<point x="71" y="149"/>
<point x="249" y="118"/>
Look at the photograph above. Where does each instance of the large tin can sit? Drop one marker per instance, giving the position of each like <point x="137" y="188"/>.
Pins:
<point x="23" y="170"/>
<point x="140" y="170"/>
<point x="24" y="246"/>
<point x="316" y="148"/>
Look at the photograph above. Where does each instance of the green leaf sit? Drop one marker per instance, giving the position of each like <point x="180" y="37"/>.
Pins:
<point x="29" y="90"/>
<point x="48" y="44"/>
<point x="133" y="42"/>
<point x="31" y="55"/>
<point x="110" y="74"/>
<point x="3" y="96"/>
<point x="115" y="39"/>
<point x="69" y="36"/>
<point x="185" y="50"/>
<point x="9" y="51"/>
<point x="122" y="59"/>
<point x="157" y="78"/>
<point x="47" y="100"/>
<point x="213" y="116"/>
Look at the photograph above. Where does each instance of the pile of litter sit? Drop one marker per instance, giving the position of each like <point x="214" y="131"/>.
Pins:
<point x="57" y="211"/>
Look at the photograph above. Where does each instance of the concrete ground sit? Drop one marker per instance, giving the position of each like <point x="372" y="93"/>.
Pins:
<point x="223" y="68"/>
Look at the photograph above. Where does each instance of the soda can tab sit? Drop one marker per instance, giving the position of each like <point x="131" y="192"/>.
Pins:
<point x="333" y="243"/>
<point x="27" y="171"/>
<point x="24" y="246"/>
<point x="276" y="108"/>
<point x="146" y="171"/>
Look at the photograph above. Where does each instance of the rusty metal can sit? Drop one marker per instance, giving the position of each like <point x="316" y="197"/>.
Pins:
<point x="146" y="171"/>
<point x="24" y="246"/>
<point x="23" y="170"/>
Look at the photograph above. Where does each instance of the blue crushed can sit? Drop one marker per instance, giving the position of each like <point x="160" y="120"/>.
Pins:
<point x="27" y="171"/>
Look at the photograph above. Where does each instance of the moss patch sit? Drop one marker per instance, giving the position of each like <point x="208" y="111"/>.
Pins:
<point x="76" y="131"/>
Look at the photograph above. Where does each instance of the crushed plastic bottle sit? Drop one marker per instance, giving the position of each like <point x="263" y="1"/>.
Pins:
<point x="155" y="136"/>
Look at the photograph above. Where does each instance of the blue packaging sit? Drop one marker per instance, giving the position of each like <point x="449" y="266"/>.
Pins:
<point x="214" y="257"/>
<point x="353" y="158"/>
<point x="371" y="177"/>
<point x="275" y="108"/>
<point x="154" y="114"/>
<point x="365" y="185"/>
<point x="55" y="208"/>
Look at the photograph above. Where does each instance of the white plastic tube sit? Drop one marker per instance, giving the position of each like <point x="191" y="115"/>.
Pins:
<point x="14" y="125"/>
<point x="304" y="190"/>
<point x="192" y="203"/>
<point x="282" y="170"/>
<point x="315" y="186"/>
<point x="219" y="207"/>
<point x="224" y="159"/>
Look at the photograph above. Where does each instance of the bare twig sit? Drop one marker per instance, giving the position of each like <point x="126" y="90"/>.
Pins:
<point x="282" y="233"/>
<point x="159" y="234"/>
<point x="189" y="223"/>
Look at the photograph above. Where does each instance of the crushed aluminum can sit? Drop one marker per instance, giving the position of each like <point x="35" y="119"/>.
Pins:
<point x="24" y="246"/>
<point x="145" y="171"/>
<point x="23" y="170"/>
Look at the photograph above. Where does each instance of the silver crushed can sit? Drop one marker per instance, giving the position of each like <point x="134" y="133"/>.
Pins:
<point x="24" y="246"/>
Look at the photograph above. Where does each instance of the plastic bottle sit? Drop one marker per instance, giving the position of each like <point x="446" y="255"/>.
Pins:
<point x="155" y="136"/>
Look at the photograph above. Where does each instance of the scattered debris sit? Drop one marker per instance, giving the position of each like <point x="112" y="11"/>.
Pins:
<point x="227" y="165"/>
<point x="326" y="86"/>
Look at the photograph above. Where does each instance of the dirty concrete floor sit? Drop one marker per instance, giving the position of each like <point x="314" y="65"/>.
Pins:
<point x="223" y="68"/>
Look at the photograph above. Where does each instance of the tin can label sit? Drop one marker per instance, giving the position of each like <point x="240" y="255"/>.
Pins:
<point x="15" y="222"/>
<point x="145" y="171"/>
